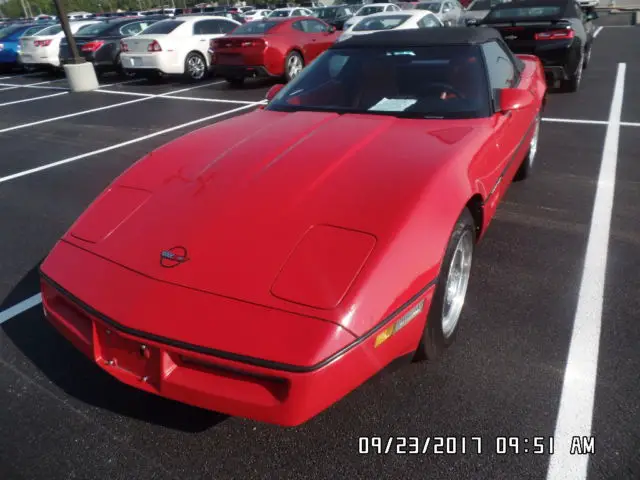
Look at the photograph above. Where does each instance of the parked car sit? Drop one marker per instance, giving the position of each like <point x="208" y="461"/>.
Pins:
<point x="405" y="20"/>
<point x="274" y="47"/>
<point x="259" y="14"/>
<point x="556" y="31"/>
<point x="335" y="15"/>
<point x="100" y="43"/>
<point x="370" y="10"/>
<point x="290" y="12"/>
<point x="177" y="46"/>
<point x="10" y="42"/>
<point x="477" y="10"/>
<point x="268" y="265"/>
<point x="41" y="51"/>
<point x="448" y="11"/>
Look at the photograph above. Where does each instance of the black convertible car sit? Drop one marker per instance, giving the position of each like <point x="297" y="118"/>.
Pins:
<point x="558" y="32"/>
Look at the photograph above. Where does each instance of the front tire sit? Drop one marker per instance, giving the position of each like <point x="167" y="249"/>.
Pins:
<point x="527" y="164"/>
<point x="448" y="299"/>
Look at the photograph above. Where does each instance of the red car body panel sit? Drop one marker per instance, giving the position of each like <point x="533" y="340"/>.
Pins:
<point x="298" y="243"/>
<point x="268" y="51"/>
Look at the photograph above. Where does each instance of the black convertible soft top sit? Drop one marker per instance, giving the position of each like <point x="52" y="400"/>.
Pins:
<point x="421" y="38"/>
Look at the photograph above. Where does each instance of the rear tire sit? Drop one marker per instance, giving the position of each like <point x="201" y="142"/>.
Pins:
<point x="572" y="84"/>
<point x="293" y="65"/>
<point x="195" y="67"/>
<point x="443" y="318"/>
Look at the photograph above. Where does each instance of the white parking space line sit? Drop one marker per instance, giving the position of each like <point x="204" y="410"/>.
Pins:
<point x="120" y="92"/>
<point x="31" y="85"/>
<point x="126" y="82"/>
<point x="99" y="109"/>
<point x="124" y="144"/>
<point x="574" y="120"/>
<point x="597" y="32"/>
<point x="575" y="414"/>
<point x="14" y="87"/>
<point x="11" y="77"/>
<point x="41" y="97"/>
<point x="23" y="306"/>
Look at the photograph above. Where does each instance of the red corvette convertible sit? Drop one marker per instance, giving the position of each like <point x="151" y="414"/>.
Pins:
<point x="267" y="265"/>
<point x="273" y="47"/>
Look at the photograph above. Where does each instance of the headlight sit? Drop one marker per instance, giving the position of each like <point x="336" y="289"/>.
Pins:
<point x="1" y="46"/>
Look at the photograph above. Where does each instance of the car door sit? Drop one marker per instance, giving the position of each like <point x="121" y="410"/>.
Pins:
<point x="320" y="36"/>
<point x="511" y="127"/>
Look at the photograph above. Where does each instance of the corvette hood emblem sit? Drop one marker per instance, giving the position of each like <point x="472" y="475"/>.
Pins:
<point x="173" y="257"/>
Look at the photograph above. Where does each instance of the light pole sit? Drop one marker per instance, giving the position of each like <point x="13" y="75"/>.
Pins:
<point x="80" y="74"/>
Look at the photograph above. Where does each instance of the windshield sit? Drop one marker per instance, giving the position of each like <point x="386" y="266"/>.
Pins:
<point x="162" y="27"/>
<point x="326" y="13"/>
<point x="432" y="7"/>
<point x="421" y="82"/>
<point x="279" y="13"/>
<point x="33" y="30"/>
<point x="386" y="22"/>
<point x="255" y="27"/>
<point x="53" y="30"/>
<point x="368" y="11"/>
<point x="485" y="4"/>
<point x="530" y="12"/>
<point x="94" y="29"/>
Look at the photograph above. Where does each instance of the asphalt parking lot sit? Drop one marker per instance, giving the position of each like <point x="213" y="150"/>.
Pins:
<point x="548" y="343"/>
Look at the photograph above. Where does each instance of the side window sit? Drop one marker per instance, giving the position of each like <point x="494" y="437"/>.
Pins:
<point x="298" y="26"/>
<point x="296" y="13"/>
<point x="313" y="26"/>
<point x="132" y="29"/>
<point x="446" y="7"/>
<point x="502" y="73"/>
<point x="198" y="27"/>
<point x="226" y="27"/>
<point x="427" y="22"/>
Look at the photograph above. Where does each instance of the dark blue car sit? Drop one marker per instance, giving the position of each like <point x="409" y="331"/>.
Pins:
<point x="9" y="42"/>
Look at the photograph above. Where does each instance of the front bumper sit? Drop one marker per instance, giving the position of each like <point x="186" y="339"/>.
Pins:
<point x="249" y="387"/>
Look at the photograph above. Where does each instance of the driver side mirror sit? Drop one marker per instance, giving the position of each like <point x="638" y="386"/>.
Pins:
<point x="273" y="91"/>
<point x="471" y="22"/>
<point x="592" y="15"/>
<point x="332" y="29"/>
<point x="513" y="99"/>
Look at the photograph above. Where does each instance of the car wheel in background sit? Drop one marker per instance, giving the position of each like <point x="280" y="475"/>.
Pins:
<point x="573" y="82"/>
<point x="195" y="67"/>
<point x="293" y="65"/>
<point x="451" y="289"/>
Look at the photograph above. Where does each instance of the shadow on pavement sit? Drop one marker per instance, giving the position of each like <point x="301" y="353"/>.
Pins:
<point x="79" y="377"/>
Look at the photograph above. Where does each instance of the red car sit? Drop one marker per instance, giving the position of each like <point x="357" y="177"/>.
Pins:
<point x="273" y="47"/>
<point x="267" y="265"/>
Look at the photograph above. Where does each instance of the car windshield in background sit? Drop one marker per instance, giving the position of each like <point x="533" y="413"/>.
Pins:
<point x="478" y="5"/>
<point x="368" y="11"/>
<point x="529" y="12"/>
<point x="254" y="28"/>
<point x="327" y="13"/>
<point x="280" y="14"/>
<point x="52" y="30"/>
<point x="421" y="82"/>
<point x="6" y="31"/>
<point x="33" y="31"/>
<point x="380" y="23"/>
<point x="162" y="27"/>
<point x="93" y="29"/>
<point x="431" y="6"/>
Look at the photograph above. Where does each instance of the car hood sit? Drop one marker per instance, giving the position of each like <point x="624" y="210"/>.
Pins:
<point x="244" y="206"/>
